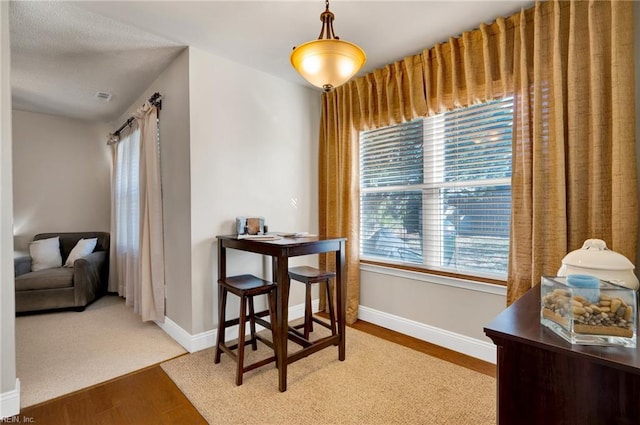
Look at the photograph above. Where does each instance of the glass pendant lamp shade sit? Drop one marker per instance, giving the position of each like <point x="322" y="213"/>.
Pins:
<point x="327" y="62"/>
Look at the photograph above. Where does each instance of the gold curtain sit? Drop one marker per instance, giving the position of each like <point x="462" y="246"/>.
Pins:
<point x="338" y="180"/>
<point x="569" y="66"/>
<point x="574" y="164"/>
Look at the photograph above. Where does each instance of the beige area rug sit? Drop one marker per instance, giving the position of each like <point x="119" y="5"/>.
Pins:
<point x="379" y="383"/>
<point x="63" y="352"/>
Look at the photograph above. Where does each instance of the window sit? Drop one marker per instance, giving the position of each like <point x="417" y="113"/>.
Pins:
<point x="436" y="192"/>
<point x="126" y="192"/>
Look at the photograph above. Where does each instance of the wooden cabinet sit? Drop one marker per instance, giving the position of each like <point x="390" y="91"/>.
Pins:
<point x="545" y="380"/>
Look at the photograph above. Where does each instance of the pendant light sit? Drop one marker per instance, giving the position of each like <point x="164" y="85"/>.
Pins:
<point x="327" y="62"/>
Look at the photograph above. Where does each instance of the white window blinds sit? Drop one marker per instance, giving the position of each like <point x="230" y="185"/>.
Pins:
<point x="436" y="192"/>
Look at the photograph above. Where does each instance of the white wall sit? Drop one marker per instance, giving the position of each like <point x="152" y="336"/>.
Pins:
<point x="254" y="151"/>
<point x="61" y="173"/>
<point x="445" y="311"/>
<point x="9" y="386"/>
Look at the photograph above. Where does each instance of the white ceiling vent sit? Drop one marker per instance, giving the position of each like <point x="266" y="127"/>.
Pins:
<point x="103" y="96"/>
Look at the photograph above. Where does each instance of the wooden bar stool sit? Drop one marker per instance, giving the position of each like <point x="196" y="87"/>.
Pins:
<point x="246" y="287"/>
<point x="309" y="276"/>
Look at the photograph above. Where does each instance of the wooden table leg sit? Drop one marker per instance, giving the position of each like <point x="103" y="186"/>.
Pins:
<point x="341" y="293"/>
<point x="222" y="274"/>
<point x="282" y="302"/>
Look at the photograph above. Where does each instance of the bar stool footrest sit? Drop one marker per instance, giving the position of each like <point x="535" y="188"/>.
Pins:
<point x="265" y="324"/>
<point x="321" y="322"/>
<point x="259" y="364"/>
<point x="265" y="341"/>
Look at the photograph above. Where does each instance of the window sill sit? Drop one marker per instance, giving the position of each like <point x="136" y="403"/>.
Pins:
<point x="436" y="279"/>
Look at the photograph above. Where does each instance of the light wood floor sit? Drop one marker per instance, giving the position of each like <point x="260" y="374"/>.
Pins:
<point x="150" y="397"/>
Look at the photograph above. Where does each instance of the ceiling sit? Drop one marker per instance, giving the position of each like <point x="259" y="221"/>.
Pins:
<point x="63" y="53"/>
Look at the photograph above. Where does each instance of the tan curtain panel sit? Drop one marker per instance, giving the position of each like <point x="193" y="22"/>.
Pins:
<point x="574" y="164"/>
<point x="569" y="66"/>
<point x="152" y="279"/>
<point x="338" y="205"/>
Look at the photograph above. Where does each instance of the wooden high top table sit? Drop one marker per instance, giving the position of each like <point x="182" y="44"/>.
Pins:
<point x="542" y="379"/>
<point x="280" y="250"/>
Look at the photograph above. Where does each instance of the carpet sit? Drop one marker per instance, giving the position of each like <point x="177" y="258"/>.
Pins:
<point x="379" y="383"/>
<point x="59" y="353"/>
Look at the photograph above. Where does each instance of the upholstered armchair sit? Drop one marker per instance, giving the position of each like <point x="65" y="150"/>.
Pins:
<point x="69" y="285"/>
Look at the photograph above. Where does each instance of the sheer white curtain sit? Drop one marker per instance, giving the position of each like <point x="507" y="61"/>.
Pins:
<point x="125" y="214"/>
<point x="137" y="249"/>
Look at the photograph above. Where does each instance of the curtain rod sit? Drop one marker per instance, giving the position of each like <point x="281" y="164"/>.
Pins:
<point x="155" y="100"/>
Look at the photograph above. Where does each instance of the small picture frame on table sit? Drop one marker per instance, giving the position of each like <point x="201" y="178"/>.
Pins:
<point x="250" y="225"/>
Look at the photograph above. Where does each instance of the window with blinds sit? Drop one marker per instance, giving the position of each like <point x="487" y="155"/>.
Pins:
<point x="436" y="192"/>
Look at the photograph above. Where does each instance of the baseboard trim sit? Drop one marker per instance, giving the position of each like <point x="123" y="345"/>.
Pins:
<point x="10" y="403"/>
<point x="204" y="340"/>
<point x="191" y="343"/>
<point x="461" y="343"/>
